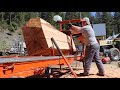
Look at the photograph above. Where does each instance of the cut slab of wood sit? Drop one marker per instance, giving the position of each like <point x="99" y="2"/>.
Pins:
<point x="37" y="35"/>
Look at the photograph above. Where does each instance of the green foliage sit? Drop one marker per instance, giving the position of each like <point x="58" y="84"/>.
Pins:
<point x="107" y="18"/>
<point x="98" y="17"/>
<point x="85" y="14"/>
<point x="116" y="22"/>
<point x="13" y="20"/>
<point x="11" y="28"/>
<point x="3" y="25"/>
<point x="72" y="15"/>
<point x="20" y="32"/>
<point x="3" y="45"/>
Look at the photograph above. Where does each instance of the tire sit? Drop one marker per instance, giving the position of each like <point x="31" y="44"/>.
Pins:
<point x="114" y="54"/>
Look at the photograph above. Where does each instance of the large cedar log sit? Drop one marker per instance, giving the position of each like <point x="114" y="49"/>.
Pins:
<point x="37" y="35"/>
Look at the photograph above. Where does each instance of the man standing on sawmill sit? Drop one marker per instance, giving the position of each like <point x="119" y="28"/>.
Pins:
<point x="92" y="47"/>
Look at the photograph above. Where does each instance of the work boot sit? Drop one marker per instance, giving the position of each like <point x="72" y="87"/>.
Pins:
<point x="83" y="74"/>
<point x="100" y="74"/>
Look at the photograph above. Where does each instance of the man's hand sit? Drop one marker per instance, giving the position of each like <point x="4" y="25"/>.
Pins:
<point x="69" y="25"/>
<point x="75" y="29"/>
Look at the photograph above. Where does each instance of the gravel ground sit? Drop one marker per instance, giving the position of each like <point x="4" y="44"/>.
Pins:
<point x="112" y="70"/>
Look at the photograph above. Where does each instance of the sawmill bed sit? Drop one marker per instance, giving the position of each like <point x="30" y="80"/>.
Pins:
<point x="25" y="66"/>
<point x="30" y="58"/>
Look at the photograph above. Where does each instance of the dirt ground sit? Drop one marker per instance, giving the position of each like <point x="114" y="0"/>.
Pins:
<point x="112" y="70"/>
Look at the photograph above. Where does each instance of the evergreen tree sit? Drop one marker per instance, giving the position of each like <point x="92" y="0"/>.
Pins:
<point x="107" y="19"/>
<point x="116" y="22"/>
<point x="13" y="20"/>
<point x="34" y="14"/>
<point x="104" y="17"/>
<point x="98" y="17"/>
<point x="85" y="14"/>
<point x="72" y="15"/>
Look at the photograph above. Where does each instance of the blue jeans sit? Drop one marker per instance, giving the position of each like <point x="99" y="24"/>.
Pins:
<point x="92" y="51"/>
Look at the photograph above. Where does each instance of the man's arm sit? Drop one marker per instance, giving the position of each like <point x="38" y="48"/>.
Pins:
<point x="75" y="29"/>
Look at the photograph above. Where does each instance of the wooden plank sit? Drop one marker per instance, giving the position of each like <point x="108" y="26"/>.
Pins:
<point x="37" y="35"/>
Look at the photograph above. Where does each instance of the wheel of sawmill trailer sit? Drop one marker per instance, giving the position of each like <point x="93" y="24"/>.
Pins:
<point x="114" y="54"/>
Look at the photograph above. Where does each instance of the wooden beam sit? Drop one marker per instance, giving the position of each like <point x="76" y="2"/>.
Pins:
<point x="37" y="35"/>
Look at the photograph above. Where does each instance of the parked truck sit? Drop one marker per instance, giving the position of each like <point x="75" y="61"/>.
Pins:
<point x="111" y="48"/>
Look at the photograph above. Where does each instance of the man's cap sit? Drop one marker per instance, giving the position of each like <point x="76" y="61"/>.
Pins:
<point x="57" y="18"/>
<point x="87" y="20"/>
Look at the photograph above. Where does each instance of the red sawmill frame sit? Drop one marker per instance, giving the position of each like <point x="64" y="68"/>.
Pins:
<point x="25" y="66"/>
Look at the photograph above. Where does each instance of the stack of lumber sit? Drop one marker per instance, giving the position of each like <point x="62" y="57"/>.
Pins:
<point x="37" y="36"/>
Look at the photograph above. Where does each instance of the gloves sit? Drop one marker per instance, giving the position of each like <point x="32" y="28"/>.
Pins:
<point x="70" y="25"/>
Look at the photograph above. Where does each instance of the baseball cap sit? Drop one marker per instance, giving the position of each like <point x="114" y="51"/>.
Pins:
<point x="87" y="20"/>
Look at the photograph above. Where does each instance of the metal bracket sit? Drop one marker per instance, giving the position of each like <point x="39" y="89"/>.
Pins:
<point x="7" y="67"/>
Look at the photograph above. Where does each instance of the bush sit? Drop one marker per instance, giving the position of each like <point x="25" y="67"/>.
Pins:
<point x="11" y="28"/>
<point x="19" y="33"/>
<point x="3" y="45"/>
